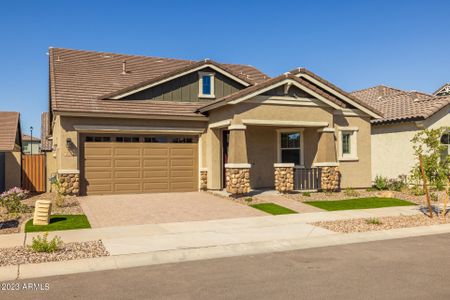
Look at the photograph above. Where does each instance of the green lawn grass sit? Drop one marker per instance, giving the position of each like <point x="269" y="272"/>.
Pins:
<point x="60" y="222"/>
<point x="273" y="209"/>
<point x="359" y="203"/>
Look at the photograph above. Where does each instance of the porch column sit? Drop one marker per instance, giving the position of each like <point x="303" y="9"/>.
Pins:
<point x="237" y="170"/>
<point x="326" y="159"/>
<point x="284" y="177"/>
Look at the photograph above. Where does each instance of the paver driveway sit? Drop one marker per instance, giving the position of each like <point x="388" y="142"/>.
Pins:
<point x="136" y="209"/>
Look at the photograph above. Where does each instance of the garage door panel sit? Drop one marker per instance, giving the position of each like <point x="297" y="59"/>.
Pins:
<point x="156" y="163"/>
<point x="182" y="163"/>
<point x="140" y="167"/>
<point x="182" y="174"/>
<point x="131" y="152"/>
<point x="156" y="174"/>
<point x="98" y="163"/>
<point x="91" y="151"/>
<point x="182" y="186"/>
<point x="102" y="174"/>
<point x="123" y="174"/>
<point x="183" y="152"/>
<point x="127" y="163"/>
<point x="127" y="187"/>
<point x="100" y="187"/>
<point x="155" y="152"/>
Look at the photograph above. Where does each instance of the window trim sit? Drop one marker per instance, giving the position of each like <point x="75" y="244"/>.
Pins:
<point x="302" y="148"/>
<point x="353" y="155"/>
<point x="446" y="132"/>
<point x="200" y="84"/>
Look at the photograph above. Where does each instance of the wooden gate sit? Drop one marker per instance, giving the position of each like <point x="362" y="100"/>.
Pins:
<point x="33" y="172"/>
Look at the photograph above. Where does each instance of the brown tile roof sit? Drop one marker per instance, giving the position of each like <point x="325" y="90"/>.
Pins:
<point x="46" y="142"/>
<point x="79" y="78"/>
<point x="8" y="130"/>
<point x="27" y="138"/>
<point x="398" y="105"/>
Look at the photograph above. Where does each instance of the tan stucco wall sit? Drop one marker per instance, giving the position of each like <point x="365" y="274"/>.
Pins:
<point x="244" y="110"/>
<point x="13" y="169"/>
<point x="356" y="174"/>
<point x="51" y="168"/>
<point x="392" y="153"/>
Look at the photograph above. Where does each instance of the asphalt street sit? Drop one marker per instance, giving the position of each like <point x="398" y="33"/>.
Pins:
<point x="412" y="268"/>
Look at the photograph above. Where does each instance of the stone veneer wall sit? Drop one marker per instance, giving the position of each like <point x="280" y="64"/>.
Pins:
<point x="237" y="180"/>
<point x="70" y="184"/>
<point x="203" y="180"/>
<point x="330" y="178"/>
<point x="284" y="179"/>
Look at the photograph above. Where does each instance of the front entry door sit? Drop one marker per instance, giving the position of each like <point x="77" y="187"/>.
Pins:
<point x="225" y="142"/>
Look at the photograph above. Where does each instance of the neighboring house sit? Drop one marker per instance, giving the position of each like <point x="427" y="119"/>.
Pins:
<point x="404" y="114"/>
<point x="133" y="124"/>
<point x="10" y="151"/>
<point x="30" y="145"/>
<point x="443" y="90"/>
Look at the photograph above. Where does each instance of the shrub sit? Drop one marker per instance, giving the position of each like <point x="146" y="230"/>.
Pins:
<point x="380" y="183"/>
<point x="397" y="185"/>
<point x="42" y="244"/>
<point x="373" y="221"/>
<point x="306" y="194"/>
<point x="427" y="145"/>
<point x="434" y="197"/>
<point x="248" y="199"/>
<point x="349" y="192"/>
<point x="11" y="200"/>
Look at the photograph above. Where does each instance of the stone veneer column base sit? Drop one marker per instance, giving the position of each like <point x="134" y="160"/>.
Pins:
<point x="330" y="178"/>
<point x="237" y="179"/>
<point x="284" y="177"/>
<point x="70" y="183"/>
<point x="203" y="180"/>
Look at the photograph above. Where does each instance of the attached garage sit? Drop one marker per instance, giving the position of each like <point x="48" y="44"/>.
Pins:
<point x="115" y="164"/>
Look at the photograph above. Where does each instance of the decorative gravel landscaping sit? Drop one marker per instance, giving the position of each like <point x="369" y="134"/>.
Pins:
<point x="359" y="203"/>
<point x="382" y="223"/>
<point x="273" y="209"/>
<point x="70" y="251"/>
<point x="60" y="222"/>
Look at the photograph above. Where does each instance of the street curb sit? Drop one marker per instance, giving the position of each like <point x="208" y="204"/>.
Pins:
<point x="203" y="253"/>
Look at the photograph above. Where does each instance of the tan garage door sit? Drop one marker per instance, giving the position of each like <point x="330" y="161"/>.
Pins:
<point x="117" y="165"/>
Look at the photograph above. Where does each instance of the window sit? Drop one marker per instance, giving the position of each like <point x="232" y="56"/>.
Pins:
<point x="127" y="139"/>
<point x="290" y="148"/>
<point x="164" y="139"/>
<point x="155" y="140"/>
<point x="348" y="143"/>
<point x="206" y="85"/>
<point x="445" y="140"/>
<point x="98" y="139"/>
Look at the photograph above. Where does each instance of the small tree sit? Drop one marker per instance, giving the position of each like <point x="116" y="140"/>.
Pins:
<point x="432" y="167"/>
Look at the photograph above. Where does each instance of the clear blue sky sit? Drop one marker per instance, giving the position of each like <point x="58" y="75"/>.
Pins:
<point x="354" y="44"/>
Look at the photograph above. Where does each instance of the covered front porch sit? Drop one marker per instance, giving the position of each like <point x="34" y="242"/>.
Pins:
<point x="281" y="155"/>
